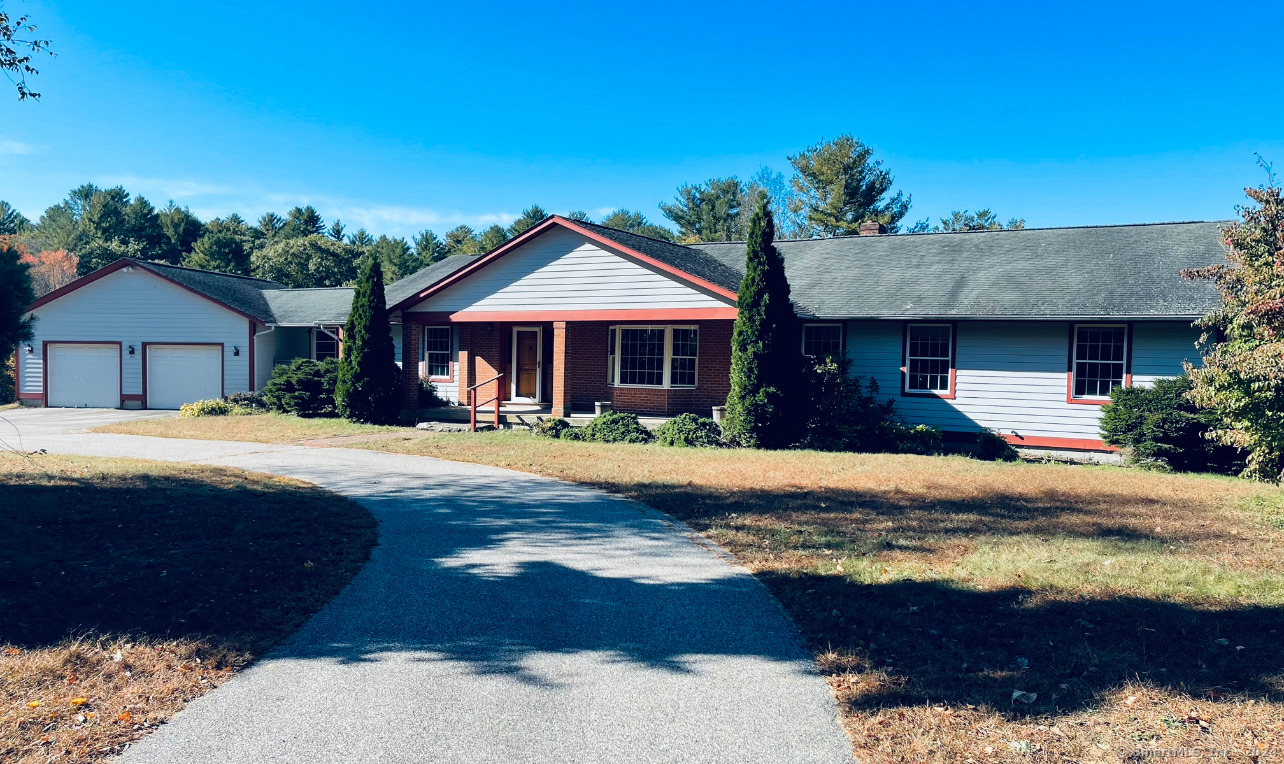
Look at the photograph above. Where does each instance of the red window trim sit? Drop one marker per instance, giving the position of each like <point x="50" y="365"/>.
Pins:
<point x="44" y="366"/>
<point x="423" y="347"/>
<point x="1127" y="381"/>
<point x="953" y="391"/>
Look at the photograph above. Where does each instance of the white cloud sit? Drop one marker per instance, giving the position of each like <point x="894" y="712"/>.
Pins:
<point x="169" y="188"/>
<point x="18" y="148"/>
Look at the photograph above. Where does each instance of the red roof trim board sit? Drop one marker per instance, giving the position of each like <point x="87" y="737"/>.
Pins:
<point x="552" y="222"/>
<point x="107" y="270"/>
<point x="664" y="314"/>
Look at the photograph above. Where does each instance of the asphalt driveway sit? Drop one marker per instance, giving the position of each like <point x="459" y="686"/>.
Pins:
<point x="503" y="617"/>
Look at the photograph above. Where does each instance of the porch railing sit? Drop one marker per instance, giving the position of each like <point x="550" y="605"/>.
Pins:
<point x="474" y="403"/>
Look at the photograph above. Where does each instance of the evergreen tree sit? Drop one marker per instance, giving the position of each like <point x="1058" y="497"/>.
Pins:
<point x="336" y="230"/>
<point x="312" y="261"/>
<point x="708" y="211"/>
<point x="15" y="295"/>
<point x="303" y="221"/>
<point x="181" y="227"/>
<point x="11" y="221"/>
<point x="839" y="185"/>
<point x="491" y="238"/>
<point x="461" y="240"/>
<point x="368" y="389"/>
<point x="579" y="215"/>
<point x="397" y="254"/>
<point x="766" y="359"/>
<point x="530" y="217"/>
<point x="270" y="225"/>
<point x="429" y="248"/>
<point x="220" y="250"/>
<point x="636" y="222"/>
<point x="361" y="239"/>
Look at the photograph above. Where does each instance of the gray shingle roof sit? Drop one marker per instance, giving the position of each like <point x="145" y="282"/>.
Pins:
<point x="1103" y="271"/>
<point x="425" y="277"/>
<point x="306" y="307"/>
<point x="240" y="292"/>
<point x="690" y="260"/>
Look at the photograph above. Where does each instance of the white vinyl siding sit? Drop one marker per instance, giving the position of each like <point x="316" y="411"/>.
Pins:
<point x="132" y="308"/>
<point x="563" y="270"/>
<point x="1009" y="375"/>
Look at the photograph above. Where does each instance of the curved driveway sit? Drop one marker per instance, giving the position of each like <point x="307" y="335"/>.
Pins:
<point x="502" y="618"/>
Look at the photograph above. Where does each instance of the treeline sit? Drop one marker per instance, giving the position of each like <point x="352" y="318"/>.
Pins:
<point x="834" y="187"/>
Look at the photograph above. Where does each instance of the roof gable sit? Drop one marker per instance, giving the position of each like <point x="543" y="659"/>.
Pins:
<point x="565" y="270"/>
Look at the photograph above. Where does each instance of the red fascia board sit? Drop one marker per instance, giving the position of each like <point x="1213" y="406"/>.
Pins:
<point x="107" y="270"/>
<point x="554" y="222"/>
<point x="1073" y="444"/>
<point x="672" y="315"/>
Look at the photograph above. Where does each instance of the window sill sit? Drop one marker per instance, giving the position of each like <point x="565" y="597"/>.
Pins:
<point x="944" y="395"/>
<point x="652" y="387"/>
<point x="1087" y="401"/>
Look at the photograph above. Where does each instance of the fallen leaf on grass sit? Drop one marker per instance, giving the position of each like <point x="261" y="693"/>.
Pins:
<point x="124" y="717"/>
<point x="33" y="704"/>
<point x="79" y="701"/>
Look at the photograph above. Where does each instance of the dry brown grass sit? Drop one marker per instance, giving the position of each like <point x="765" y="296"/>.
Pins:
<point x="257" y="428"/>
<point x="130" y="587"/>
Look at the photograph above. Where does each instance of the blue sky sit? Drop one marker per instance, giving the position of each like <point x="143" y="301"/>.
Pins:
<point x="403" y="116"/>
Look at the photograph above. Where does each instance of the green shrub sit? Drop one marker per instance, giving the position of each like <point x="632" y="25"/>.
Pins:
<point x="212" y="407"/>
<point x="550" y="427"/>
<point x="252" y="400"/>
<point x="304" y="387"/>
<point x="844" y="413"/>
<point x="920" y="439"/>
<point x="428" y="397"/>
<point x="689" y="430"/>
<point x="1158" y="426"/>
<point x="614" y="427"/>
<point x="992" y="447"/>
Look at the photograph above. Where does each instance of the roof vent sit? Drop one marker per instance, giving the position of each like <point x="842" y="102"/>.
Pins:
<point x="872" y="228"/>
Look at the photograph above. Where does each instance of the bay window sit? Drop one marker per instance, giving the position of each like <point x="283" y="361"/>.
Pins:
<point x="652" y="356"/>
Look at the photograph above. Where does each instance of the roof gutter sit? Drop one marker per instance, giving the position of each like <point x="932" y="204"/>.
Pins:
<point x="984" y="317"/>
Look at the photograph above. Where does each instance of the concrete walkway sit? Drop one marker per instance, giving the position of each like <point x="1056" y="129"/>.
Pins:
<point x="502" y="618"/>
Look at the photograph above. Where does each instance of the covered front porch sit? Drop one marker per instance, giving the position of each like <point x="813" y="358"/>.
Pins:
<point x="660" y="367"/>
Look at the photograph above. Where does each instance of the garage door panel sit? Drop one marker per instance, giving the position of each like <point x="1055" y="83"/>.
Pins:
<point x="83" y="376"/>
<point x="178" y="374"/>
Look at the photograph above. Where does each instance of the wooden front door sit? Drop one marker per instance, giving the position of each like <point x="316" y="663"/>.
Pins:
<point x="526" y="363"/>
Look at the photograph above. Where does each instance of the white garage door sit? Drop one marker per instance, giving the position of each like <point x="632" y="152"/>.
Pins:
<point x="84" y="376"/>
<point x="178" y="374"/>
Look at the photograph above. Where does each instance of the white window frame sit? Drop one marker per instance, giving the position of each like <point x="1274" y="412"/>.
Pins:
<point x="338" y="343"/>
<point x="909" y="330"/>
<point x="842" y="345"/>
<point x="1074" y="359"/>
<point x="613" y="374"/>
<point x="450" y="353"/>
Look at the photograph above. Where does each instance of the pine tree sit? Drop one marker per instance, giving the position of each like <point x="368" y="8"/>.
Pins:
<point x="367" y="389"/>
<point x="765" y="355"/>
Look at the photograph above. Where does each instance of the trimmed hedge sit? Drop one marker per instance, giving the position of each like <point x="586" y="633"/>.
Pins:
<point x="689" y="430"/>
<point x="611" y="427"/>
<point x="304" y="387"/>
<point x="1158" y="426"/>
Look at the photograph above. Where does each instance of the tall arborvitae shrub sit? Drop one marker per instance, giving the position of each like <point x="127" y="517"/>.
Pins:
<point x="766" y="360"/>
<point x="367" y="388"/>
<point x="15" y="295"/>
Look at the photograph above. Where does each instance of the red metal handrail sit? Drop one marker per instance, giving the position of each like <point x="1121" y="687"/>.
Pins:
<point x="474" y="403"/>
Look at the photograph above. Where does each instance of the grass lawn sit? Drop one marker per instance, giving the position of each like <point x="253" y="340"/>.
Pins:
<point x="1132" y="611"/>
<point x="258" y="428"/>
<point x="131" y="587"/>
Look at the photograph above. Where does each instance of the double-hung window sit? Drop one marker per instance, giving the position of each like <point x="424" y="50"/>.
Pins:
<point x="1099" y="362"/>
<point x="325" y="343"/>
<point x="929" y="359"/>
<point x="822" y="340"/>
<point x="652" y="356"/>
<point x="437" y="352"/>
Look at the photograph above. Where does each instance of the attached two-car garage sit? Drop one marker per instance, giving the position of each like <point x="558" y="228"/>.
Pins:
<point x="87" y="375"/>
